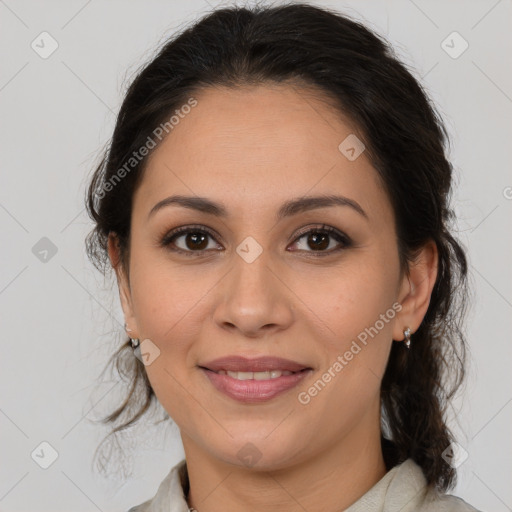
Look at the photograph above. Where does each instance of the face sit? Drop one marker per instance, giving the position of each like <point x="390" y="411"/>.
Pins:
<point x="303" y="283"/>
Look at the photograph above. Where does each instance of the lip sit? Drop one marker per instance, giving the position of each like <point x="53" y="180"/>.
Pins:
<point x="251" y="390"/>
<point x="254" y="391"/>
<point x="235" y="363"/>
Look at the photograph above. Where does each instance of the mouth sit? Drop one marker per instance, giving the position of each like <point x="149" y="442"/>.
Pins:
<point x="254" y="380"/>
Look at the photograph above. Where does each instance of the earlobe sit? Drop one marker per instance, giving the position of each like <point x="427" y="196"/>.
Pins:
<point x="416" y="290"/>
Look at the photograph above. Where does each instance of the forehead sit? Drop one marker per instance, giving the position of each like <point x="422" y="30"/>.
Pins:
<point x="260" y="144"/>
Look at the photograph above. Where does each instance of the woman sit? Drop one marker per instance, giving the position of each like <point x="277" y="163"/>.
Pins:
<point x="275" y="204"/>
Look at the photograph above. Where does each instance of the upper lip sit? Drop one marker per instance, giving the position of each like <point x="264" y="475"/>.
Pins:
<point x="236" y="363"/>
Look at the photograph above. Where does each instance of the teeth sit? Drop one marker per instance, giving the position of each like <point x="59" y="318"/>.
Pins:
<point x="274" y="374"/>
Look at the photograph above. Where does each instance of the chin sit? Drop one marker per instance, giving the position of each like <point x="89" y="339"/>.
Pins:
<point x="260" y="454"/>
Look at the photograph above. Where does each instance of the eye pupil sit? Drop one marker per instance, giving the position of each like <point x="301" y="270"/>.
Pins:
<point x="320" y="244"/>
<point x="194" y="238"/>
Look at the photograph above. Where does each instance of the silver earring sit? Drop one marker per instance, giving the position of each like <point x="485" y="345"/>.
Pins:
<point x="136" y="348"/>
<point x="407" y="334"/>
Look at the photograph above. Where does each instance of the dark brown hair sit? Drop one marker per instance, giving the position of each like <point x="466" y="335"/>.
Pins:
<point x="405" y="140"/>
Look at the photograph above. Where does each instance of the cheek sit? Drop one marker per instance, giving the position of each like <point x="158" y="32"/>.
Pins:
<point x="356" y="347"/>
<point x="167" y="304"/>
<point x="348" y="299"/>
<point x="167" y="299"/>
<point x="356" y="308"/>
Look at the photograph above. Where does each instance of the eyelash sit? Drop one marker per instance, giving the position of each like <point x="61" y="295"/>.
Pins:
<point x="324" y="229"/>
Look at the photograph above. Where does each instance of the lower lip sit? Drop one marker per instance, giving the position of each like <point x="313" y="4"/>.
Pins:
<point x="253" y="391"/>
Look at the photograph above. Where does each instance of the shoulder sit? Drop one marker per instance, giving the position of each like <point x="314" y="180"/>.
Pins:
<point x="446" y="503"/>
<point x="430" y="500"/>
<point x="407" y="491"/>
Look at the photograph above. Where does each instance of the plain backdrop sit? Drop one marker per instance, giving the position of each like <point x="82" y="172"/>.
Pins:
<point x="60" y="320"/>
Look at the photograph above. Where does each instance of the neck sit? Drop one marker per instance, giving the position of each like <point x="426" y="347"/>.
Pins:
<point x="332" y="480"/>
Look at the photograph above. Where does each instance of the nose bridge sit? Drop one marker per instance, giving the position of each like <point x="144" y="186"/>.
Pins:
<point x="252" y="296"/>
<point x="251" y="277"/>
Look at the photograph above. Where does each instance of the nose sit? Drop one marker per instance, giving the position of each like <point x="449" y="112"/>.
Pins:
<point x="254" y="299"/>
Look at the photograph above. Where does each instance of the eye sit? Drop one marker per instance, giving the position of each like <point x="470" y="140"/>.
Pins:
<point x="189" y="239"/>
<point x="322" y="239"/>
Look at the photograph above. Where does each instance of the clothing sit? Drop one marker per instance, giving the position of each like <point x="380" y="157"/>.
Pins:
<point x="401" y="489"/>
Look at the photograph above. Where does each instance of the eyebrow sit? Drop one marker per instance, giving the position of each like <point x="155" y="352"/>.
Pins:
<point x="289" y="208"/>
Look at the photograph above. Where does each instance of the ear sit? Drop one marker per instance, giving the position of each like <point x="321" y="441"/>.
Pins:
<point x="122" y="283"/>
<point x="416" y="290"/>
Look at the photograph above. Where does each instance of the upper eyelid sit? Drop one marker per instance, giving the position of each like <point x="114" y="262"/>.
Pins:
<point x="183" y="230"/>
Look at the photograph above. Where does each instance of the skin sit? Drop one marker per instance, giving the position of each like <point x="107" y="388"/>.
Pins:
<point x="252" y="149"/>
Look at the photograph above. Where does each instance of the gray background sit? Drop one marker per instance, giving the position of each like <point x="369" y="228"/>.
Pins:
<point x="60" y="320"/>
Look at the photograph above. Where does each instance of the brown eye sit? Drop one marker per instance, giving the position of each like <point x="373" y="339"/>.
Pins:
<point x="196" y="241"/>
<point x="189" y="240"/>
<point x="318" y="241"/>
<point x="322" y="240"/>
